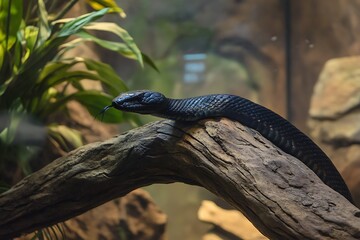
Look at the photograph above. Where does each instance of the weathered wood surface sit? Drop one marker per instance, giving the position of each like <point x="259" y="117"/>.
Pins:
<point x="281" y="196"/>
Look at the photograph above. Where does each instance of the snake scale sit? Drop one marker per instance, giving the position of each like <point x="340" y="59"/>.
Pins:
<point x="269" y="124"/>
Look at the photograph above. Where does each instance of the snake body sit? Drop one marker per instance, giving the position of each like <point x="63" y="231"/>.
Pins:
<point x="269" y="124"/>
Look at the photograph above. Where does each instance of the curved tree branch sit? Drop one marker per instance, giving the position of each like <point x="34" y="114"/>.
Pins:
<point x="280" y="195"/>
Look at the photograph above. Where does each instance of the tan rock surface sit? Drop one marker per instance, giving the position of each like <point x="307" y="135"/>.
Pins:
<point x="335" y="118"/>
<point x="338" y="88"/>
<point x="232" y="222"/>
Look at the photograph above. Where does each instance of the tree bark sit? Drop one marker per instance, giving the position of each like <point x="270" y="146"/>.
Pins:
<point x="279" y="194"/>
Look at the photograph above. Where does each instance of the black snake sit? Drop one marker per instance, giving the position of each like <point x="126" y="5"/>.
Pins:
<point x="269" y="124"/>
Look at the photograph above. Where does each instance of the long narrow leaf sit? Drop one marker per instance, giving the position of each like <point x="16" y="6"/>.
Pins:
<point x="43" y="54"/>
<point x="121" y="33"/>
<point x="76" y="24"/>
<point x="29" y="72"/>
<point x="72" y="77"/>
<point x="2" y="60"/>
<point x="43" y="25"/>
<point x="54" y="68"/>
<point x="10" y="20"/>
<point x="118" y="47"/>
<point x="65" y="135"/>
<point x="57" y="72"/>
<point x="37" y="104"/>
<point x="95" y="102"/>
<point x="69" y="77"/>
<point x="107" y="76"/>
<point x="150" y="62"/>
<point x="17" y="55"/>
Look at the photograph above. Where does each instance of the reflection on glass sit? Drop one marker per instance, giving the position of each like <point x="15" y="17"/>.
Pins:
<point x="194" y="67"/>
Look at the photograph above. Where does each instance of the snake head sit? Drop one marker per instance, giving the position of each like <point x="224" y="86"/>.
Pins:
<point x="142" y="101"/>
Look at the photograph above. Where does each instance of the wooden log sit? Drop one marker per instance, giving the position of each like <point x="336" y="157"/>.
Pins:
<point x="275" y="191"/>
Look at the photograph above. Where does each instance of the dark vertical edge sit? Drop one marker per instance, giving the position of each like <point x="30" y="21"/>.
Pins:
<point x="288" y="62"/>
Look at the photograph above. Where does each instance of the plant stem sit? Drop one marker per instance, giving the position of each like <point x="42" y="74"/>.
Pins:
<point x="66" y="9"/>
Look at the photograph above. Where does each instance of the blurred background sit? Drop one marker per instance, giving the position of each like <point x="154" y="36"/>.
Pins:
<point x="269" y="51"/>
<point x="301" y="59"/>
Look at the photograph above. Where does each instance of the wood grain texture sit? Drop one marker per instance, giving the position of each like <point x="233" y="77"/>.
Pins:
<point x="279" y="194"/>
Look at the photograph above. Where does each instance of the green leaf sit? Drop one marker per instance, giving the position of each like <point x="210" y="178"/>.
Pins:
<point x="17" y="56"/>
<point x="31" y="33"/>
<point x="121" y="33"/>
<point x="10" y="20"/>
<point x="43" y="25"/>
<point x="118" y="47"/>
<point x="107" y="76"/>
<point x="39" y="103"/>
<point x="150" y="62"/>
<point x="57" y="72"/>
<point x="2" y="58"/>
<point x="54" y="68"/>
<point x="118" y="31"/>
<point x="68" y="77"/>
<point x="28" y="73"/>
<point x="74" y="25"/>
<point x="65" y="136"/>
<point x="95" y="102"/>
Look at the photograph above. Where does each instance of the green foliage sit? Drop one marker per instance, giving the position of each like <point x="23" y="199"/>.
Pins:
<point x="35" y="77"/>
<point x="37" y="80"/>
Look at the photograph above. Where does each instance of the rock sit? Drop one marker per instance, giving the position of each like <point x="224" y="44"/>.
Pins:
<point x="335" y="118"/>
<point x="344" y="131"/>
<point x="227" y="223"/>
<point x="338" y="89"/>
<point x="133" y="217"/>
<point x="335" y="104"/>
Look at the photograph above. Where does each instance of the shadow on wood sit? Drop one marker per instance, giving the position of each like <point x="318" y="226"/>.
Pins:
<point x="278" y="193"/>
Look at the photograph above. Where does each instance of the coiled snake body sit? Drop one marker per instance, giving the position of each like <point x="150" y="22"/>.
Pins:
<point x="272" y="126"/>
